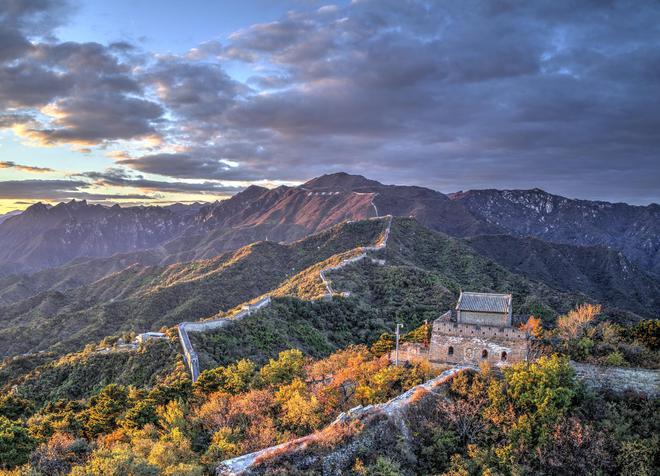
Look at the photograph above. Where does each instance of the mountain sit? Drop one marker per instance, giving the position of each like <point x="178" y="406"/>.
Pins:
<point x="7" y="215"/>
<point x="423" y="265"/>
<point x="75" y="244"/>
<point x="46" y="237"/>
<point x="633" y="230"/>
<point x="601" y="273"/>
<point x="43" y="237"/>
<point x="141" y="298"/>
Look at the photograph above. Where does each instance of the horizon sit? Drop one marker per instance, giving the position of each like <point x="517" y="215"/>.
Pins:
<point x="207" y="202"/>
<point x="144" y="103"/>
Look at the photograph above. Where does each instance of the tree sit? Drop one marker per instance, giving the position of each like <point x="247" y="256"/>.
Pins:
<point x="532" y="327"/>
<point x="59" y="454"/>
<point x="106" y="408"/>
<point x="140" y="414"/>
<point x="289" y="365"/>
<point x="211" y="380"/>
<point x="572" y="325"/>
<point x="534" y="331"/>
<point x="636" y="457"/>
<point x="14" y="407"/>
<point x="239" y="376"/>
<point x="300" y="410"/>
<point x="384" y="345"/>
<point x="384" y="467"/>
<point x="235" y="378"/>
<point x="117" y="461"/>
<point x="648" y="333"/>
<point x="528" y="403"/>
<point x="15" y="443"/>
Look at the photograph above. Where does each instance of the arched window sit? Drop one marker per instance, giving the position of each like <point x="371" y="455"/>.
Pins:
<point x="450" y="351"/>
<point x="484" y="354"/>
<point x="504" y="356"/>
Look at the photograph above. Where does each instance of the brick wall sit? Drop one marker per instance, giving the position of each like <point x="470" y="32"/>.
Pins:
<point x="618" y="379"/>
<point x="484" y="318"/>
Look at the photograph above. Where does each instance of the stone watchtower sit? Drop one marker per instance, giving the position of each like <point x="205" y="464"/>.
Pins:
<point x="479" y="330"/>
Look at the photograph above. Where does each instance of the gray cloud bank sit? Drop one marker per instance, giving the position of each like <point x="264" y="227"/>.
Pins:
<point x="453" y="95"/>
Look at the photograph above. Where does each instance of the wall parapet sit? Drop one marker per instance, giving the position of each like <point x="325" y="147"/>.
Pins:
<point x="619" y="379"/>
<point x="476" y="330"/>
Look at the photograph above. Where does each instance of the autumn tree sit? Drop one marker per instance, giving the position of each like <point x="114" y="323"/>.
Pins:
<point x="384" y="345"/>
<point x="300" y="409"/>
<point x="533" y="328"/>
<point x="59" y="454"/>
<point x="573" y="324"/>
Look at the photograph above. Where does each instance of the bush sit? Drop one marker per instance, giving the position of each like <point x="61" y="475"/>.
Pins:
<point x="15" y="444"/>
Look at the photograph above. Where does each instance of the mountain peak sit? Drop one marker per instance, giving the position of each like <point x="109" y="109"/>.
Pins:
<point x="250" y="193"/>
<point x="340" y="181"/>
<point x="35" y="209"/>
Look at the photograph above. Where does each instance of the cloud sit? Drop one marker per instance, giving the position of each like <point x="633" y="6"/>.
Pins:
<point x="194" y="165"/>
<point x="24" y="168"/>
<point x="118" y="177"/>
<point x="77" y="93"/>
<point x="57" y="190"/>
<point x="453" y="95"/>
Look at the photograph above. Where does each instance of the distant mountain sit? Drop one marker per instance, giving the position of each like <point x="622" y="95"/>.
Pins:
<point x="7" y="215"/>
<point x="43" y="236"/>
<point x="633" y="230"/>
<point x="601" y="273"/>
<point x="47" y="237"/>
<point x="74" y="244"/>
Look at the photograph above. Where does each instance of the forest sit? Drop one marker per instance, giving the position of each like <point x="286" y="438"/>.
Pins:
<point x="532" y="418"/>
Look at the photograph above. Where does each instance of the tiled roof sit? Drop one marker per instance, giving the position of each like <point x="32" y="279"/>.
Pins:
<point x="484" y="302"/>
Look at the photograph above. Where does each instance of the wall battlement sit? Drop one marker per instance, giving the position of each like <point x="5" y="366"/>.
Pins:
<point x="476" y="330"/>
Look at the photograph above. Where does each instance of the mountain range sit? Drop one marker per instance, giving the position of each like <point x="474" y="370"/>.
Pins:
<point x="74" y="273"/>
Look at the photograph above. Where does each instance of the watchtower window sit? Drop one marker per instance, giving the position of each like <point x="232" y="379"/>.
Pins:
<point x="450" y="351"/>
<point x="504" y="356"/>
<point x="484" y="354"/>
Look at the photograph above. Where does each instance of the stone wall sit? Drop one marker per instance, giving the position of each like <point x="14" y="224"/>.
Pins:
<point x="409" y="351"/>
<point x="468" y="330"/>
<point x="618" y="379"/>
<point x="484" y="318"/>
<point x="468" y="344"/>
<point x="313" y="452"/>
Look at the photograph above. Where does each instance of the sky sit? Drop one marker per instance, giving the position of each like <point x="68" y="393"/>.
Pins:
<point x="152" y="102"/>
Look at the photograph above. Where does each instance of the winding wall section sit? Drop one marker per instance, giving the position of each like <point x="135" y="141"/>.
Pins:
<point x="191" y="357"/>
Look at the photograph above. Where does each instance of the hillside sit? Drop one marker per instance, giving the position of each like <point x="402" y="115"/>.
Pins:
<point x="604" y="274"/>
<point x="421" y="278"/>
<point x="82" y="374"/>
<point x="633" y="230"/>
<point x="424" y="266"/>
<point x="142" y="298"/>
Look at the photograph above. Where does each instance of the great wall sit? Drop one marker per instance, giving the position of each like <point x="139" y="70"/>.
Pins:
<point x="392" y="416"/>
<point x="190" y="355"/>
<point x="392" y="412"/>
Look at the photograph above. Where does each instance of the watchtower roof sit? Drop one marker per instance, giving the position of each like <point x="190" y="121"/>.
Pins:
<point x="484" y="302"/>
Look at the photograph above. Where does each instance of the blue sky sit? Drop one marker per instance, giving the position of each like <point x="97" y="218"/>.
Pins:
<point x="153" y="102"/>
<point x="170" y="26"/>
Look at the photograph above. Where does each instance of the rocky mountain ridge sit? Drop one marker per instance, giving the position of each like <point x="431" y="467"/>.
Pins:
<point x="633" y="230"/>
